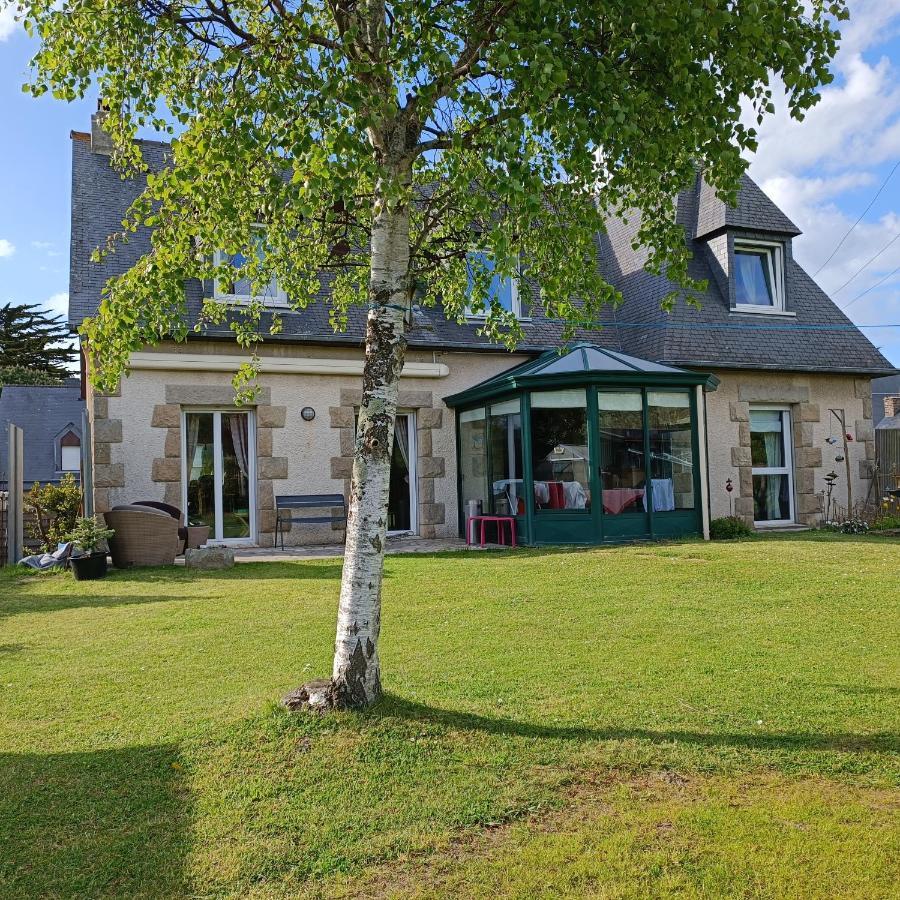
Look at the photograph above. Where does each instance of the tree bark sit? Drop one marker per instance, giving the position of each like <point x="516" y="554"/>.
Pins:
<point x="356" y="675"/>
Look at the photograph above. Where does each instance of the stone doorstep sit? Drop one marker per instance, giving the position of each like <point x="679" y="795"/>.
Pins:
<point x="209" y="558"/>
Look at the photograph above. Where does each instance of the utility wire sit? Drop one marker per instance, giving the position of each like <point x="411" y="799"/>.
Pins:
<point x="861" y="216"/>
<point x="732" y="326"/>
<point x="862" y="268"/>
<point x="872" y="287"/>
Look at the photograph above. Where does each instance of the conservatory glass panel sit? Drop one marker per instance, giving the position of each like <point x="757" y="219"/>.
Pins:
<point x="473" y="458"/>
<point x="623" y="469"/>
<point x="671" y="450"/>
<point x="506" y="458"/>
<point x="559" y="450"/>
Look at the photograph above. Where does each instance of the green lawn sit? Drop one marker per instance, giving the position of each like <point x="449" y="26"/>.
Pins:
<point x="685" y="719"/>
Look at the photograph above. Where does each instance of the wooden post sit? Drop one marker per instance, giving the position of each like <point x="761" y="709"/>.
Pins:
<point x="839" y="415"/>
<point x="15" y="503"/>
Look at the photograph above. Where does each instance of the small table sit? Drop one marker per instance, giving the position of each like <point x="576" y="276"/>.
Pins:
<point x="500" y="521"/>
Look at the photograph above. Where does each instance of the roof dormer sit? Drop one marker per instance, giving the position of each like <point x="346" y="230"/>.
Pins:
<point x="749" y="248"/>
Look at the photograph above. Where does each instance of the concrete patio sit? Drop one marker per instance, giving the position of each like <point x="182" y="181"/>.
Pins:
<point x="405" y="544"/>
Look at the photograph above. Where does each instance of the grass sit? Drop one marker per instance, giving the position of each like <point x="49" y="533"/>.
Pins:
<point x="685" y="719"/>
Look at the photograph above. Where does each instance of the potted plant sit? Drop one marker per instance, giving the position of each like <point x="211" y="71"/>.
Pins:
<point x="88" y="534"/>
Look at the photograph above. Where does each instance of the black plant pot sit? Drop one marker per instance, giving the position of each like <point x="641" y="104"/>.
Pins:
<point x="90" y="567"/>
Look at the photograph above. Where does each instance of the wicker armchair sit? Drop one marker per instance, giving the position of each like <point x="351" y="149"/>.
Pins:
<point x="143" y="537"/>
<point x="192" y="536"/>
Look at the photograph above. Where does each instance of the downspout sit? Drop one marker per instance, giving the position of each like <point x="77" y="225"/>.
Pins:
<point x="87" y="465"/>
<point x="702" y="425"/>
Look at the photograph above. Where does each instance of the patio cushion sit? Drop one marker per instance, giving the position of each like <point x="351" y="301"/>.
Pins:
<point x="136" y="507"/>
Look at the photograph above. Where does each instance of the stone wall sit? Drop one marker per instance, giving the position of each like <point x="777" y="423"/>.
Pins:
<point x="810" y="397"/>
<point x="137" y="433"/>
<point x="432" y="513"/>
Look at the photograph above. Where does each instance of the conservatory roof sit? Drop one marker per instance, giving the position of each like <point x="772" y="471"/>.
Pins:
<point x="577" y="364"/>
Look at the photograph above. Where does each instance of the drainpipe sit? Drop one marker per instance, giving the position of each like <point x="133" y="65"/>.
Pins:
<point x="87" y="465"/>
<point x="704" y="459"/>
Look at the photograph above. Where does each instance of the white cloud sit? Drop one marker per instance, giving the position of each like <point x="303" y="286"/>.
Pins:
<point x="7" y="248"/>
<point x="58" y="303"/>
<point x="42" y="245"/>
<point x="7" y="21"/>
<point x="842" y="152"/>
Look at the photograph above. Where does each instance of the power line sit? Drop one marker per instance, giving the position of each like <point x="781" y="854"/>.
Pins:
<point x="871" y="288"/>
<point x="861" y="216"/>
<point x="862" y="268"/>
<point x="732" y="326"/>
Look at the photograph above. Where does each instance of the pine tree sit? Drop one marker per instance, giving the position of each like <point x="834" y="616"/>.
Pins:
<point x="35" y="346"/>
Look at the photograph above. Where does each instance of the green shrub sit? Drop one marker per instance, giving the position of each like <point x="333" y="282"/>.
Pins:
<point x="89" y="534"/>
<point x="55" y="508"/>
<point x="729" y="528"/>
<point x="886" y="523"/>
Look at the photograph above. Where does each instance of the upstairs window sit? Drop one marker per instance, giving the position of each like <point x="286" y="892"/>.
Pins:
<point x="69" y="452"/>
<point x="758" y="276"/>
<point x="505" y="290"/>
<point x="238" y="289"/>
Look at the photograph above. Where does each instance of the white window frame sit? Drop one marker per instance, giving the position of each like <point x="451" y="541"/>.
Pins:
<point x="514" y="290"/>
<point x="413" y="473"/>
<point x="774" y="255"/>
<point x="250" y="539"/>
<point x="62" y="458"/>
<point x="787" y="424"/>
<point x="279" y="299"/>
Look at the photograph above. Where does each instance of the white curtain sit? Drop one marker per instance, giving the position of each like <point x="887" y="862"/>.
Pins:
<point x="401" y="438"/>
<point x="239" y="439"/>
<point x="193" y="431"/>
<point x="773" y="445"/>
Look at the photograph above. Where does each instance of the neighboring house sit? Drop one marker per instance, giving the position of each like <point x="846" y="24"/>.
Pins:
<point x="50" y="417"/>
<point x="634" y="432"/>
<point x="887" y="448"/>
<point x="882" y="390"/>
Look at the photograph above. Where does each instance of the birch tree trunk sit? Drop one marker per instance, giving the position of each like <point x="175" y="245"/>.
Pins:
<point x="356" y="673"/>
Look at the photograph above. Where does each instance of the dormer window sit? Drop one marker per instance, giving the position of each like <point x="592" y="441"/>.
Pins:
<point x="505" y="290"/>
<point x="238" y="289"/>
<point x="69" y="451"/>
<point x="758" y="276"/>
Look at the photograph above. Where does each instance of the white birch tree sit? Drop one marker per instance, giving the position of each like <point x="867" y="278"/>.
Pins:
<point x="380" y="141"/>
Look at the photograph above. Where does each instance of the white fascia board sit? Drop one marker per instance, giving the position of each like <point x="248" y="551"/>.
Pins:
<point x="207" y="362"/>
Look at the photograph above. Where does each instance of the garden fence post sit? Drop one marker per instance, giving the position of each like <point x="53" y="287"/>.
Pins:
<point x="15" y="497"/>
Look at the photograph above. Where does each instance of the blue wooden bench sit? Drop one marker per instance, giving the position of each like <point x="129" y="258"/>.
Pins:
<point x="288" y="503"/>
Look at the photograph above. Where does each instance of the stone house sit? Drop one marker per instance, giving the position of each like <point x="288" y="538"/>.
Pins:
<point x="637" y="434"/>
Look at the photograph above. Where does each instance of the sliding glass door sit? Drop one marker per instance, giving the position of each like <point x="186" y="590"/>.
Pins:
<point x="219" y="473"/>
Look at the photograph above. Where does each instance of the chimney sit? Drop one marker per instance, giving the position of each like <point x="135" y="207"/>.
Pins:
<point x="892" y="406"/>
<point x="100" y="140"/>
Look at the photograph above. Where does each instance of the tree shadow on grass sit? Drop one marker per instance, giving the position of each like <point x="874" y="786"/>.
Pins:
<point x="57" y="602"/>
<point x="244" y="571"/>
<point x="398" y="707"/>
<point x="109" y="823"/>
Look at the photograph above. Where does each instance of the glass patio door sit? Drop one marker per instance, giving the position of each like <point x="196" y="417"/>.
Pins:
<point x="773" y="466"/>
<point x="219" y="473"/>
<point x="402" y="503"/>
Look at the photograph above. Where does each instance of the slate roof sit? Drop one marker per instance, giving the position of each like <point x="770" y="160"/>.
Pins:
<point x="819" y="338"/>
<point x="754" y="212"/>
<point x="43" y="413"/>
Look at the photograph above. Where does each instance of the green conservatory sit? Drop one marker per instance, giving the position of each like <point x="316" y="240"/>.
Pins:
<point x="586" y="446"/>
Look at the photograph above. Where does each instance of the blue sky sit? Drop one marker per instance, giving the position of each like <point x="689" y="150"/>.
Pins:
<point x="823" y="172"/>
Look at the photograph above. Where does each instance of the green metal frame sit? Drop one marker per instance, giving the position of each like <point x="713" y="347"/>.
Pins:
<point x="590" y="526"/>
